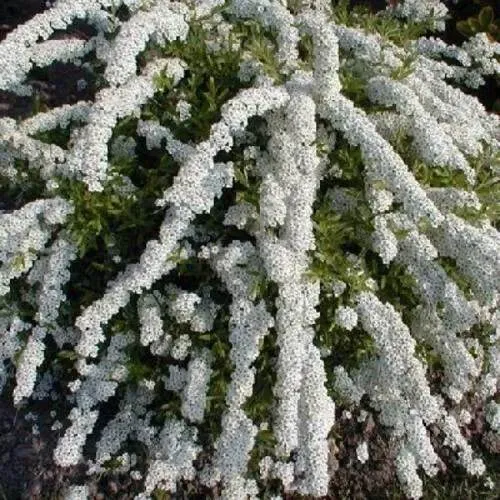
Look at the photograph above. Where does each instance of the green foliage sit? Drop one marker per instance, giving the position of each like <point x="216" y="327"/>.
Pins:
<point x="390" y="28"/>
<point x="159" y="494"/>
<point x="484" y="21"/>
<point x="305" y="47"/>
<point x="406" y="69"/>
<point x="211" y="76"/>
<point x="247" y="183"/>
<point x="27" y="186"/>
<point x="210" y="80"/>
<point x="58" y="136"/>
<point x="110" y="216"/>
<point x="261" y="44"/>
<point x="487" y="167"/>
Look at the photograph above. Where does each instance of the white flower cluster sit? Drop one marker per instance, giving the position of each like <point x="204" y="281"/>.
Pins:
<point x="99" y="384"/>
<point x="176" y="379"/>
<point x="9" y="342"/>
<point x="31" y="358"/>
<point x="46" y="158"/>
<point x="422" y="10"/>
<point x="456" y="441"/>
<point x="290" y="172"/>
<point x="493" y="415"/>
<point x="476" y="252"/>
<point x="468" y="124"/>
<point x="432" y="144"/>
<point x="125" y="423"/>
<point x="151" y="322"/>
<point x="435" y="47"/>
<point x="458" y="314"/>
<point x="415" y="225"/>
<point x="183" y="306"/>
<point x="24" y="232"/>
<point x="165" y="21"/>
<point x="477" y="56"/>
<point x="19" y="50"/>
<point x="77" y="493"/>
<point x="484" y="54"/>
<point x="346" y="317"/>
<point x="183" y="108"/>
<point x="52" y="273"/>
<point x="398" y="387"/>
<point x="362" y="452"/>
<point x="173" y="454"/>
<point x="249" y="324"/>
<point x="316" y="418"/>
<point x="61" y="50"/>
<point x="155" y="133"/>
<point x="89" y="155"/>
<point x="346" y="386"/>
<point x="272" y="15"/>
<point x="180" y="347"/>
<point x="56" y="117"/>
<point x="69" y="448"/>
<point x="198" y="182"/>
<point x="381" y="161"/>
<point x="195" y="391"/>
<point x="240" y="214"/>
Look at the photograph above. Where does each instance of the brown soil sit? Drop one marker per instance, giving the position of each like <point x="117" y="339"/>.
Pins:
<point x="27" y="470"/>
<point x="26" y="467"/>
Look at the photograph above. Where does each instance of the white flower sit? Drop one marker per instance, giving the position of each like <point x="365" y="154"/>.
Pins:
<point x="180" y="347"/>
<point x="422" y="10"/>
<point x="183" y="306"/>
<point x="173" y="454"/>
<point x="362" y="452"/>
<point x="31" y="358"/>
<point x="195" y="391"/>
<point x="183" y="109"/>
<point x="77" y="493"/>
<point x="338" y="288"/>
<point x="161" y="23"/>
<point x="346" y="317"/>
<point x="493" y="416"/>
<point x="69" y="447"/>
<point x="240" y="214"/>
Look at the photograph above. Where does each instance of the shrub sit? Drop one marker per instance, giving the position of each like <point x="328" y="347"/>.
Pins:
<point x="267" y="210"/>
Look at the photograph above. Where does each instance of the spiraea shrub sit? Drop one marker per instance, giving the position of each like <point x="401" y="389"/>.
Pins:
<point x="268" y="211"/>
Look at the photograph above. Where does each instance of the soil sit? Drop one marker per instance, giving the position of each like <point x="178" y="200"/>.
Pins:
<point x="26" y="467"/>
<point x="353" y="480"/>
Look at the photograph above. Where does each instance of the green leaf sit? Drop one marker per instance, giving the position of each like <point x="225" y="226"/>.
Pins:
<point x="71" y="355"/>
<point x="18" y="262"/>
<point x="486" y="17"/>
<point x="474" y="25"/>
